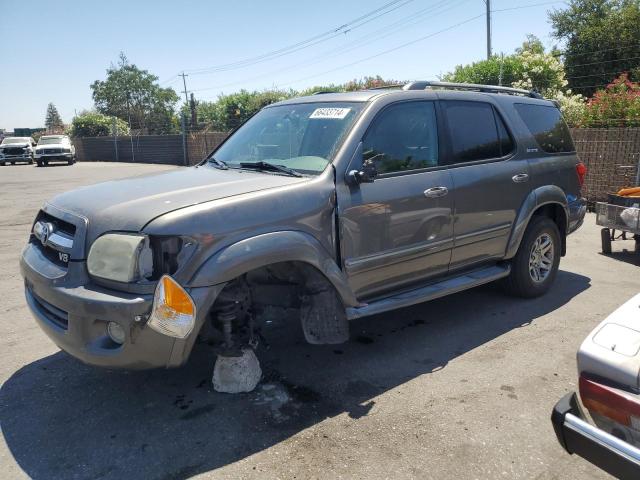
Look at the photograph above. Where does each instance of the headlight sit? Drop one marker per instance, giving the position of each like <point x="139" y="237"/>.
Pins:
<point x="174" y="312"/>
<point x="121" y="257"/>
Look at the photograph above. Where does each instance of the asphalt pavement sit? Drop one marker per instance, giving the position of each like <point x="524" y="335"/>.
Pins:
<point x="458" y="388"/>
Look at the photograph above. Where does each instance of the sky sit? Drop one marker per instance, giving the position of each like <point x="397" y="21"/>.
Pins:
<point x="53" y="51"/>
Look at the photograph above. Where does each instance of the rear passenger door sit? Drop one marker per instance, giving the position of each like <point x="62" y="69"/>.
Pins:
<point x="397" y="231"/>
<point x="490" y="182"/>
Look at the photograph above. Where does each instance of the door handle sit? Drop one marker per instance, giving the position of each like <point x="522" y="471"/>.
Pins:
<point x="436" y="192"/>
<point x="520" y="178"/>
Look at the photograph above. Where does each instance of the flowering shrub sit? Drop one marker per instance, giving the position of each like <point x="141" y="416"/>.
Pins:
<point x="618" y="105"/>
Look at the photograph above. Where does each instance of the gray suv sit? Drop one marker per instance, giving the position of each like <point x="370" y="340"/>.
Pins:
<point x="335" y="206"/>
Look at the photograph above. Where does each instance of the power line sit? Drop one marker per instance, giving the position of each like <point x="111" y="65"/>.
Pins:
<point x="520" y="7"/>
<point x="602" y="61"/>
<point x="589" y="52"/>
<point x="341" y="30"/>
<point x="389" y="50"/>
<point x="341" y="50"/>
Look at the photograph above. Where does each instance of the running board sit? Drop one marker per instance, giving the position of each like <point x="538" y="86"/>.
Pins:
<point x="430" y="292"/>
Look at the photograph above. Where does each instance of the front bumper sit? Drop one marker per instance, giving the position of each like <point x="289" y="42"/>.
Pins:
<point x="611" y="454"/>
<point x="16" y="158"/>
<point x="74" y="314"/>
<point x="577" y="212"/>
<point x="54" y="156"/>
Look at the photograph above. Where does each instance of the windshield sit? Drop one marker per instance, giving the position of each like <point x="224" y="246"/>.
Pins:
<point x="303" y="137"/>
<point x="50" y="140"/>
<point x="10" y="140"/>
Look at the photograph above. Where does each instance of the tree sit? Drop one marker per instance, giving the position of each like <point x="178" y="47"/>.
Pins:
<point x="602" y="40"/>
<point x="134" y="96"/>
<point x="529" y="68"/>
<point x="52" y="120"/>
<point x="95" y="124"/>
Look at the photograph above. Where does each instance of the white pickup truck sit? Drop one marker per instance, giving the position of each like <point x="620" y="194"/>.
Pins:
<point x="55" y="148"/>
<point x="16" y="149"/>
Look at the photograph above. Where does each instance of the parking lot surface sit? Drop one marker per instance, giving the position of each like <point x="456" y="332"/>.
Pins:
<point x="461" y="387"/>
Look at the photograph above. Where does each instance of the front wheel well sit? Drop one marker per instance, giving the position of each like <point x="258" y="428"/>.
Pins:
<point x="558" y="214"/>
<point x="273" y="294"/>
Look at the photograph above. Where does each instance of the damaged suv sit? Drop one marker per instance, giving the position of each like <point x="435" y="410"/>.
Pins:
<point x="337" y="205"/>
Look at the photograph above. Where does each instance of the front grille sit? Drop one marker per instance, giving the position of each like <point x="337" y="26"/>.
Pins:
<point x="61" y="225"/>
<point x="55" y="315"/>
<point x="51" y="150"/>
<point x="14" y="151"/>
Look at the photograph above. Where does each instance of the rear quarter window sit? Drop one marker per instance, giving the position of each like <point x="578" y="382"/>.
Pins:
<point x="547" y="126"/>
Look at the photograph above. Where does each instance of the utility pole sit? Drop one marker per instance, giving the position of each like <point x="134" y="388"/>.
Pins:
<point x="184" y="82"/>
<point x="488" y="4"/>
<point x="194" y="112"/>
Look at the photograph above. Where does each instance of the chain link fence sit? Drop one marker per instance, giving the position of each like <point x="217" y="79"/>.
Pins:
<point x="612" y="155"/>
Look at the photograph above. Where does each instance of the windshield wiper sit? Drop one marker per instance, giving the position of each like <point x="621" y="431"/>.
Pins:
<point x="261" y="165"/>
<point x="219" y="163"/>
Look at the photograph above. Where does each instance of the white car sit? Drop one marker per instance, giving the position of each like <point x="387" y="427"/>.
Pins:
<point x="16" y="149"/>
<point x="609" y="389"/>
<point x="55" y="148"/>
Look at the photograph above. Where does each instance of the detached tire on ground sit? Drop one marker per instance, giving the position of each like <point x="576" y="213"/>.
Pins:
<point x="535" y="266"/>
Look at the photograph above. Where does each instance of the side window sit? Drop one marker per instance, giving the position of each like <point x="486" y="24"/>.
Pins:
<point x="477" y="131"/>
<point x="403" y="137"/>
<point x="547" y="126"/>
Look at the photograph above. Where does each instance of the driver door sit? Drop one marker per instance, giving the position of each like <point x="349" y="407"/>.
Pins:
<point x="397" y="230"/>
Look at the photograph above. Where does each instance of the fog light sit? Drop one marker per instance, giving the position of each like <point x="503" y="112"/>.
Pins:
<point x="174" y="312"/>
<point x="116" y="332"/>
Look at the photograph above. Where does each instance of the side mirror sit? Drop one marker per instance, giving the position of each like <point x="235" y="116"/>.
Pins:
<point x="366" y="174"/>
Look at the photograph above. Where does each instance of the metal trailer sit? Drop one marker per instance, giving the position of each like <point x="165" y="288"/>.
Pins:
<point x="621" y="214"/>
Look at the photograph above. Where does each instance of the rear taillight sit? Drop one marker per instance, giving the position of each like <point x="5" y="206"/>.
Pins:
<point x="619" y="406"/>
<point x="581" y="170"/>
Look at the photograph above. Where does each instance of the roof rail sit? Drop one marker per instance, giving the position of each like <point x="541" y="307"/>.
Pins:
<point x="423" y="84"/>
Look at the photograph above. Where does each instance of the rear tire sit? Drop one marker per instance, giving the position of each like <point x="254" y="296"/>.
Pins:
<point x="13" y="163"/>
<point x="605" y="236"/>
<point x="535" y="265"/>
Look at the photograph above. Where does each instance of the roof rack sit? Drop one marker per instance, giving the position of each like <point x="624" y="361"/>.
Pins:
<point x="423" y="84"/>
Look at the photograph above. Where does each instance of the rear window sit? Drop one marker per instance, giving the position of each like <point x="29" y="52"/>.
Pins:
<point x="547" y="126"/>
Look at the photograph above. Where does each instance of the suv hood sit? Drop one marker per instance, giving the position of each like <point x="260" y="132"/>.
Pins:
<point x="53" y="145"/>
<point x="129" y="204"/>
<point x="15" y="145"/>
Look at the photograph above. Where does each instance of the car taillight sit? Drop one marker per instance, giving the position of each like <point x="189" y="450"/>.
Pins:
<point x="581" y="170"/>
<point x="619" y="406"/>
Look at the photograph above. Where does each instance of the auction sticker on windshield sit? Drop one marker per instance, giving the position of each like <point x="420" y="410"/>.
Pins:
<point x="330" y="112"/>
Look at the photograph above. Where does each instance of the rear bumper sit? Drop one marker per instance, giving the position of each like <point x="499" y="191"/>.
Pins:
<point x="578" y="437"/>
<point x="577" y="212"/>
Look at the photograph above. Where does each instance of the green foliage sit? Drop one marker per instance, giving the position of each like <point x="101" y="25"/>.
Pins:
<point x="95" y="124"/>
<point x="618" y="105"/>
<point x="529" y="68"/>
<point x="134" y="95"/>
<point x="230" y="111"/>
<point x="52" y="120"/>
<point x="602" y="40"/>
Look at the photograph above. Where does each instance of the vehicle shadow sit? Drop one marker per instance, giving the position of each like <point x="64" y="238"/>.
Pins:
<point x="62" y="419"/>
<point x="628" y="256"/>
